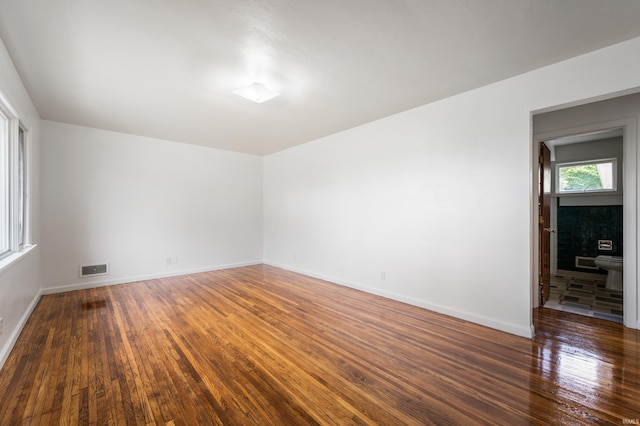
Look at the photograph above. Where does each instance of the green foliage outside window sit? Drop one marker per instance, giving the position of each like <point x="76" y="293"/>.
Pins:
<point x="580" y="178"/>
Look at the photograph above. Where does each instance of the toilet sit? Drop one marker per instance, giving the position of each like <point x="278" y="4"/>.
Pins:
<point x="613" y="266"/>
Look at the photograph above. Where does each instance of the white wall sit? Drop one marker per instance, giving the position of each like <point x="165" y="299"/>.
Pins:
<point x="439" y="197"/>
<point x="20" y="283"/>
<point x="134" y="202"/>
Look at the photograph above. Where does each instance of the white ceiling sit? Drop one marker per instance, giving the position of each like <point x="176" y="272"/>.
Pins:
<point x="167" y="68"/>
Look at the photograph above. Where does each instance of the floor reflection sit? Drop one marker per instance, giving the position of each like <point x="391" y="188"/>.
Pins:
<point x="590" y="361"/>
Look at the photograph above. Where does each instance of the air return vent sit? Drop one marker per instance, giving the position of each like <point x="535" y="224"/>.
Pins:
<point x="91" y="270"/>
<point x="586" y="262"/>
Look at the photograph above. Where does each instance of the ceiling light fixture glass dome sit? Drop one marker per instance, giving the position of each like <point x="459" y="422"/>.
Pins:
<point x="257" y="92"/>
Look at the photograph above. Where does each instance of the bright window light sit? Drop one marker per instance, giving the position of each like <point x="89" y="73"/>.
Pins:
<point x="13" y="183"/>
<point x="587" y="176"/>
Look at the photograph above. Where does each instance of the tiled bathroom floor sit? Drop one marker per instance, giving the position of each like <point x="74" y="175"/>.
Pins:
<point x="585" y="297"/>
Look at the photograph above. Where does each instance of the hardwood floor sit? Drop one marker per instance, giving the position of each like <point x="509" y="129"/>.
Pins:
<point x="260" y="345"/>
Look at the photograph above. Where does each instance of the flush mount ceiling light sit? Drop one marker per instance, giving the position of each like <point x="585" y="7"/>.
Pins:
<point x="256" y="92"/>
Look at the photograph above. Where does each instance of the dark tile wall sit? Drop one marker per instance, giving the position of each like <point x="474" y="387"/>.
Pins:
<point x="580" y="228"/>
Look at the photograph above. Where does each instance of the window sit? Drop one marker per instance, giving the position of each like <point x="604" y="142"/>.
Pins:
<point x="21" y="188"/>
<point x="4" y="185"/>
<point x="13" y="182"/>
<point x="587" y="176"/>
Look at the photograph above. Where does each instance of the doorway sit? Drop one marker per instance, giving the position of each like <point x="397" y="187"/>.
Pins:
<point x="581" y="224"/>
<point x="578" y="121"/>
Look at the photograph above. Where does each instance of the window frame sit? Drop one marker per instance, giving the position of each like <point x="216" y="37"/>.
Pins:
<point x="21" y="188"/>
<point x="14" y="185"/>
<point x="5" y="174"/>
<point x="614" y="176"/>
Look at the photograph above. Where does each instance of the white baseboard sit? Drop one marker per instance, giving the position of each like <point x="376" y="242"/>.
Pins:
<point x="6" y="350"/>
<point x="131" y="279"/>
<point x="527" y="332"/>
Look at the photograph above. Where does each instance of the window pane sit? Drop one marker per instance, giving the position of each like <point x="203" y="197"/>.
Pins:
<point x="586" y="177"/>
<point x="605" y="171"/>
<point x="4" y="185"/>
<point x="21" y="188"/>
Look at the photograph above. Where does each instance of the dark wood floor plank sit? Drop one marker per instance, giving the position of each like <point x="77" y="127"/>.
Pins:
<point x="260" y="345"/>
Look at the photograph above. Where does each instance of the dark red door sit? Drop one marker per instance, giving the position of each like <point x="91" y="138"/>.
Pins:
<point x="544" y="215"/>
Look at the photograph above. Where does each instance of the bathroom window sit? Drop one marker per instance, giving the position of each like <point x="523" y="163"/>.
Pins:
<point x="587" y="176"/>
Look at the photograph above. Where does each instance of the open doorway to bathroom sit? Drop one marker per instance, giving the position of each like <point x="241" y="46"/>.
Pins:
<point x="590" y="219"/>
<point x="584" y="233"/>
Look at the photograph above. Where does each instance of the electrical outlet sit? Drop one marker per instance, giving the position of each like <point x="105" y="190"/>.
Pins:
<point x="168" y="261"/>
<point x="174" y="260"/>
<point x="1" y="326"/>
<point x="383" y="276"/>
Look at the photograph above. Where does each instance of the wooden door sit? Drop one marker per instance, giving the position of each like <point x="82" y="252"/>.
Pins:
<point x="544" y="215"/>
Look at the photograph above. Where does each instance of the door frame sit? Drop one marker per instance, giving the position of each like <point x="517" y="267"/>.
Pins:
<point x="631" y="207"/>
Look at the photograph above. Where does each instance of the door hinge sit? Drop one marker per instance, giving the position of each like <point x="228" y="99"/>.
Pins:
<point x="541" y="220"/>
<point x="541" y="159"/>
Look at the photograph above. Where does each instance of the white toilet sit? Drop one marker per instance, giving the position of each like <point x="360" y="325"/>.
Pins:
<point x="613" y="266"/>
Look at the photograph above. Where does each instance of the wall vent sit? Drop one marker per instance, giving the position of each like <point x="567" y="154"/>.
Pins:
<point x="586" y="262"/>
<point x="91" y="270"/>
